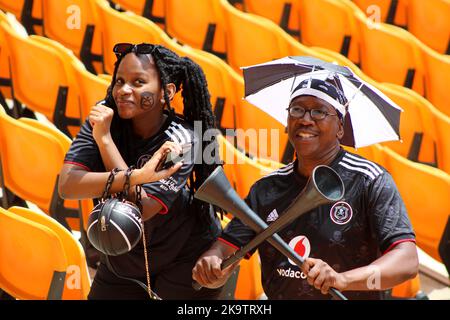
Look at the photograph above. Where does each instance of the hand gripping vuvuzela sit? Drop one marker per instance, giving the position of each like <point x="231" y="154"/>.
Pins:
<point x="324" y="186"/>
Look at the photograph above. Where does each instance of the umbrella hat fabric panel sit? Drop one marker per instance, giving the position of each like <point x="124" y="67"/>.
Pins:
<point x="371" y="116"/>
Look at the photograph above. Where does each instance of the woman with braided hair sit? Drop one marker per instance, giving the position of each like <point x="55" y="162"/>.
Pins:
<point x="134" y="122"/>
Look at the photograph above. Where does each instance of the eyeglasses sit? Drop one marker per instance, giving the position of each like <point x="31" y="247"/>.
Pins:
<point x="315" y="114"/>
<point x="121" y="49"/>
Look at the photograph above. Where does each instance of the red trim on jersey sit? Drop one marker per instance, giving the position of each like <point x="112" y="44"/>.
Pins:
<point x="164" y="210"/>
<point x="247" y="255"/>
<point x="397" y="242"/>
<point x="78" y="164"/>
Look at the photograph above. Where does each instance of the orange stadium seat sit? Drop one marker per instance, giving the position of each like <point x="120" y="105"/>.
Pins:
<point x="33" y="263"/>
<point x="282" y="12"/>
<point x="246" y="171"/>
<point x="336" y="29"/>
<point x="73" y="23"/>
<point x="442" y="125"/>
<point x="390" y="54"/>
<point x="388" y="11"/>
<point x="437" y="77"/>
<point x="78" y="282"/>
<point x="28" y="141"/>
<point x="425" y="192"/>
<point x="429" y="21"/>
<point x="50" y="95"/>
<point x="150" y="9"/>
<point x="252" y="39"/>
<point x="122" y="27"/>
<point x="198" y="25"/>
<point x="28" y="12"/>
<point x="220" y="88"/>
<point x="417" y="129"/>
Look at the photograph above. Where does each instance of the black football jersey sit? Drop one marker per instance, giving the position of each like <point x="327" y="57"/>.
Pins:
<point x="369" y="221"/>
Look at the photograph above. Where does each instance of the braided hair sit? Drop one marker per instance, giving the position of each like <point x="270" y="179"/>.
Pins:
<point x="187" y="76"/>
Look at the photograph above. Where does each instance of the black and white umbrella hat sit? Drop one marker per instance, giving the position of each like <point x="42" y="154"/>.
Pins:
<point x="371" y="117"/>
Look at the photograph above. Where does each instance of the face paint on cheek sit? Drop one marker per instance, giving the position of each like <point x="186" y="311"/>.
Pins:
<point x="147" y="100"/>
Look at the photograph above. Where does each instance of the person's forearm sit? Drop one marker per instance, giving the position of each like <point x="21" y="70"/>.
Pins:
<point x="391" y="269"/>
<point x="111" y="156"/>
<point x="81" y="184"/>
<point x="113" y="159"/>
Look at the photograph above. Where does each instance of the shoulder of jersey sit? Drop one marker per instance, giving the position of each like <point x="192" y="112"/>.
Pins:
<point x="282" y="172"/>
<point x="179" y="133"/>
<point x="360" y="165"/>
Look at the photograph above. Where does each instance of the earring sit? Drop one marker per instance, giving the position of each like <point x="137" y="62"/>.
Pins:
<point x="163" y="101"/>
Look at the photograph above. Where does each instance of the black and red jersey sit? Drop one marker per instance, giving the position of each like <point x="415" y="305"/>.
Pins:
<point x="368" y="222"/>
<point x="175" y="235"/>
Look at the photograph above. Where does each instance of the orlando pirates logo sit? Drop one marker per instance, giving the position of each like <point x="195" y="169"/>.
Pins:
<point x="341" y="213"/>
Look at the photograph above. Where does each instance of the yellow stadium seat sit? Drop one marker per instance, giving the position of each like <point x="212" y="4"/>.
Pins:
<point x="388" y="11"/>
<point x="425" y="191"/>
<point x="390" y="54"/>
<point x="282" y="12"/>
<point x="33" y="263"/>
<point x="27" y="141"/>
<point x="437" y="77"/>
<point x="73" y="23"/>
<point x="417" y="129"/>
<point x="41" y="80"/>
<point x="78" y="282"/>
<point x="336" y="29"/>
<point x="199" y="25"/>
<point x="122" y="27"/>
<point x="150" y="9"/>
<point x="429" y="21"/>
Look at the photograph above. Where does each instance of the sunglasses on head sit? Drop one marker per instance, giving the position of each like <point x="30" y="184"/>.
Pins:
<point x="121" y="49"/>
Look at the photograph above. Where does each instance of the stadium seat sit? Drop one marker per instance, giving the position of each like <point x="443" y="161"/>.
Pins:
<point x="442" y="125"/>
<point x="78" y="282"/>
<point x="73" y="23"/>
<point x="222" y="94"/>
<point x="250" y="118"/>
<point x="389" y="11"/>
<point x="429" y="21"/>
<point x="252" y="39"/>
<point x="408" y="289"/>
<point x="33" y="262"/>
<point x="282" y="12"/>
<point x="417" y="130"/>
<point x="390" y="54"/>
<point x="199" y="25"/>
<point x="150" y="9"/>
<point x="425" y="192"/>
<point x="32" y="155"/>
<point x="437" y="77"/>
<point x="122" y="27"/>
<point x="28" y="12"/>
<point x="244" y="170"/>
<point x="41" y="80"/>
<point x="336" y="29"/>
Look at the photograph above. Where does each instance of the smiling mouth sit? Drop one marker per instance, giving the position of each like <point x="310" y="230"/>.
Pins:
<point x="126" y="102"/>
<point x="306" y="136"/>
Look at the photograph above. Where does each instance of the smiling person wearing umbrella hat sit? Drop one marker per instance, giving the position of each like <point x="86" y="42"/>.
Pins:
<point x="362" y="245"/>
